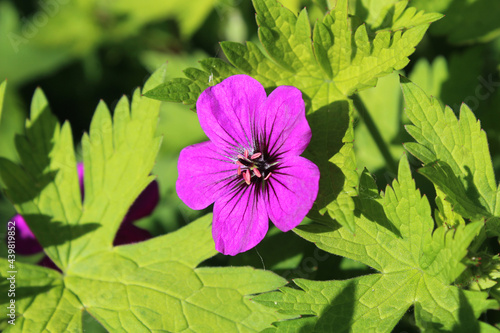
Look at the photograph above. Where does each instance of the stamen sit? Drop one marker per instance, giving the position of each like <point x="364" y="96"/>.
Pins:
<point x="239" y="170"/>
<point x="239" y="163"/>
<point x="257" y="172"/>
<point x="246" y="176"/>
<point x="256" y="155"/>
<point x="268" y="175"/>
<point x="241" y="157"/>
<point x="246" y="153"/>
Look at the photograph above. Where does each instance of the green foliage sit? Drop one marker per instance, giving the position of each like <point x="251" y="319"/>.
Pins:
<point x="447" y="79"/>
<point x="3" y="86"/>
<point x="36" y="45"/>
<point x="190" y="15"/>
<point x="455" y="155"/>
<point x="417" y="253"/>
<point x="340" y="57"/>
<point x="394" y="236"/>
<point x="44" y="187"/>
<point x="315" y="65"/>
<point x="152" y="285"/>
<point x="466" y="21"/>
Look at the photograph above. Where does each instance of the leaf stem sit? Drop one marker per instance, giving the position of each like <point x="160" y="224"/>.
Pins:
<point x="372" y="128"/>
<point x="478" y="241"/>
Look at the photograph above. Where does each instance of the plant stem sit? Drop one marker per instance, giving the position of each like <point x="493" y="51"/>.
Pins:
<point x="372" y="128"/>
<point x="478" y="241"/>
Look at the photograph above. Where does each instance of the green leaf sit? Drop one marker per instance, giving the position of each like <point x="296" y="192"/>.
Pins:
<point x="153" y="285"/>
<point x="331" y="149"/>
<point x="177" y="90"/>
<point x="480" y="23"/>
<point x="322" y="72"/>
<point x="124" y="147"/>
<point x="444" y="214"/>
<point x="372" y="12"/>
<point x="342" y="209"/>
<point x="391" y="14"/>
<point x="3" y="86"/>
<point x="44" y="187"/>
<point x="189" y="15"/>
<point x="441" y="174"/>
<point x="394" y="236"/>
<point x="455" y="155"/>
<point x="41" y="297"/>
<point x="335" y="304"/>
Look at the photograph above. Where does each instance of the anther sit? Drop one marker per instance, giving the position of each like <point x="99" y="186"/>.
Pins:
<point x="257" y="172"/>
<point x="268" y="175"/>
<point x="246" y="176"/>
<point x="246" y="154"/>
<point x="239" y="170"/>
<point x="256" y="155"/>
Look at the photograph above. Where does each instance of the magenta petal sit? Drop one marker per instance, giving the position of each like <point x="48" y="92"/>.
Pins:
<point x="25" y="240"/>
<point x="204" y="172"/>
<point x="240" y="221"/>
<point x="79" y="168"/>
<point x="144" y="204"/>
<point x="227" y="111"/>
<point x="291" y="192"/>
<point x="283" y="123"/>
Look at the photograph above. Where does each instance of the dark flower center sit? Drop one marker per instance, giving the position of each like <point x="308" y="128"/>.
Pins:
<point x="254" y="167"/>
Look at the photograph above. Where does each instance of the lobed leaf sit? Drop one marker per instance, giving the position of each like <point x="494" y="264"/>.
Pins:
<point x="455" y="155"/>
<point x="394" y="235"/>
<point x="44" y="187"/>
<point x="148" y="286"/>
<point x="118" y="148"/>
<point x="341" y="58"/>
<point x="155" y="285"/>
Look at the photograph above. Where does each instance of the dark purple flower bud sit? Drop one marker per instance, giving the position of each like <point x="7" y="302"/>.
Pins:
<point x="144" y="204"/>
<point x="25" y="241"/>
<point x="129" y="233"/>
<point x="47" y="262"/>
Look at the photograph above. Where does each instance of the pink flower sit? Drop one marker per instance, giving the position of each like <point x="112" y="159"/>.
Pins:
<point x="251" y="166"/>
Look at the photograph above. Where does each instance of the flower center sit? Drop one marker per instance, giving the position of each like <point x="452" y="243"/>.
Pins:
<point x="253" y="167"/>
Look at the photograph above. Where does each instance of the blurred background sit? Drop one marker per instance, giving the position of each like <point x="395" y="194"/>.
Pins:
<point x="82" y="51"/>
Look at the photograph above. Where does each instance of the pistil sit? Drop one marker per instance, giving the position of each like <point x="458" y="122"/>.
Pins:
<point x="250" y="165"/>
